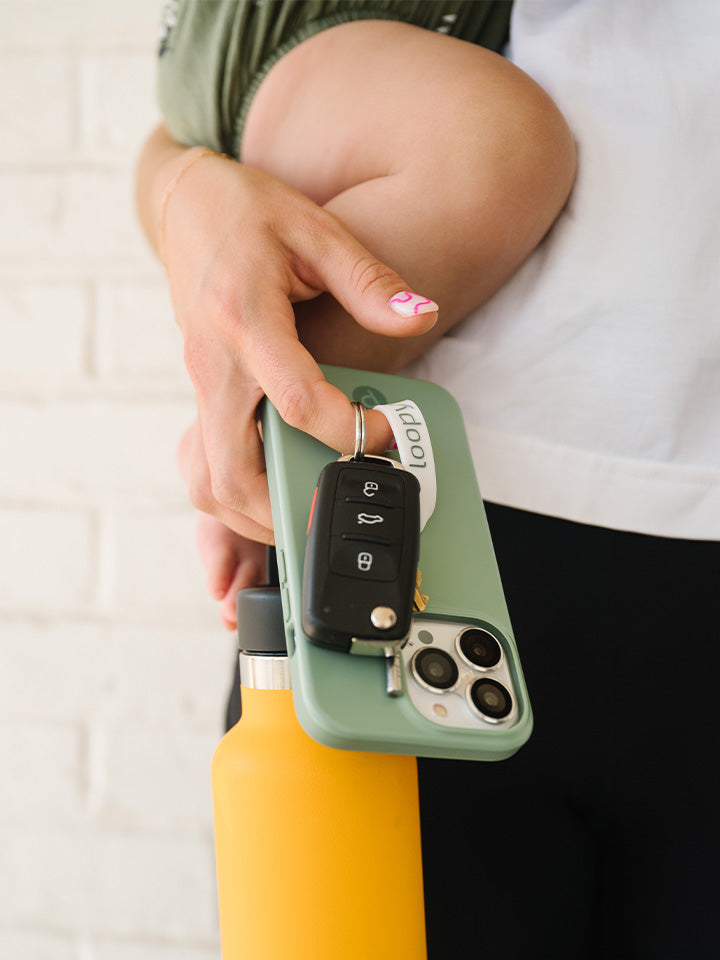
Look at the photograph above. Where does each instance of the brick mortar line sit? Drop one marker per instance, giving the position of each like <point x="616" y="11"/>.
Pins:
<point x="142" y="268"/>
<point x="100" y="939"/>
<point x="79" y="48"/>
<point x="91" y="331"/>
<point x="117" y="831"/>
<point x="79" y="619"/>
<point x="196" y="619"/>
<point x="160" y="503"/>
<point x="127" y="391"/>
<point x="71" y="163"/>
<point x="57" y="264"/>
<point x="78" y="96"/>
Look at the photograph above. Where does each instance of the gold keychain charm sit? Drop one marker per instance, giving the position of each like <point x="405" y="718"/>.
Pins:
<point x="420" y="600"/>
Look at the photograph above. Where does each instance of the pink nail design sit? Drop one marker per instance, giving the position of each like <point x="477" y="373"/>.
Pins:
<point x="410" y="304"/>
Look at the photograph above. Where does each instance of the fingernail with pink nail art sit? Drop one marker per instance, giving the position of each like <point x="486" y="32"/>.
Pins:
<point x="410" y="304"/>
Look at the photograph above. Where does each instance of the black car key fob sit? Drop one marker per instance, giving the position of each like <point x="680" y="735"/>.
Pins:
<point x="361" y="556"/>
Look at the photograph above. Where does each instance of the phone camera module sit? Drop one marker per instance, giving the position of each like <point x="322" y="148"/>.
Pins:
<point x="435" y="669"/>
<point x="480" y="648"/>
<point x="491" y="699"/>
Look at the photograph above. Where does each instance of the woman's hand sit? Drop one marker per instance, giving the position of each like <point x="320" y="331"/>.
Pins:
<point x="240" y="249"/>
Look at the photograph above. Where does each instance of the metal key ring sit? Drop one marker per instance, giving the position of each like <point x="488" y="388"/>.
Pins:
<point x="360" y="431"/>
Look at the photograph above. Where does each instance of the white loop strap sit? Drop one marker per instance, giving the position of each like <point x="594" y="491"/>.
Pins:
<point x="416" y="454"/>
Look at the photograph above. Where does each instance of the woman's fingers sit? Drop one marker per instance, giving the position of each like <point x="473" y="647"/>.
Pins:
<point x="228" y="477"/>
<point x="294" y="383"/>
<point x="231" y="563"/>
<point x="195" y="472"/>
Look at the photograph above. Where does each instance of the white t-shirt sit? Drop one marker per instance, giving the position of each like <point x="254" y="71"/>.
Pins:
<point x="590" y="384"/>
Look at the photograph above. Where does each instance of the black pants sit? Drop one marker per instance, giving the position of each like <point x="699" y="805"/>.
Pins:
<point x="599" y="839"/>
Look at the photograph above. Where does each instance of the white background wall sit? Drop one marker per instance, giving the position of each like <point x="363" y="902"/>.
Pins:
<point x="113" y="670"/>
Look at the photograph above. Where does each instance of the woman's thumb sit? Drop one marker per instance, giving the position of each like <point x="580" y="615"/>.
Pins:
<point x="373" y="293"/>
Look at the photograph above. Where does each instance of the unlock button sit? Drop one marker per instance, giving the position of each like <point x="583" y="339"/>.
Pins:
<point x="370" y="561"/>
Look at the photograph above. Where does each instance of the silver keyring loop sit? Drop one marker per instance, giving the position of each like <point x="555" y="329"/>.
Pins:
<point x="360" y="431"/>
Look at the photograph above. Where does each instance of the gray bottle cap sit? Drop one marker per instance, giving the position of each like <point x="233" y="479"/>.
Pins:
<point x="261" y="628"/>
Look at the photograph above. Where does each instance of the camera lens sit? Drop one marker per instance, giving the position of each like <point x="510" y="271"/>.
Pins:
<point x="491" y="699"/>
<point x="480" y="647"/>
<point x="436" y="668"/>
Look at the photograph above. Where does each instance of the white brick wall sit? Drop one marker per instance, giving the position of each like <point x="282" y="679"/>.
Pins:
<point x="113" y="670"/>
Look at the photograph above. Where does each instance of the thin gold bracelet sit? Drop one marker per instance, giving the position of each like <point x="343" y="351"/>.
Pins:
<point x="191" y="161"/>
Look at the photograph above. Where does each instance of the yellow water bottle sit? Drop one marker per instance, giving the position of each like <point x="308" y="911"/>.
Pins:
<point x="318" y="850"/>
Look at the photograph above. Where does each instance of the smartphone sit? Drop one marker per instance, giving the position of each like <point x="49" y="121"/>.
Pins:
<point x="462" y="692"/>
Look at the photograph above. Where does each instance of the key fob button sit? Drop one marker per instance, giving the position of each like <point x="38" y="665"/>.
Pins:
<point x="372" y="487"/>
<point x="366" y="519"/>
<point x="363" y="561"/>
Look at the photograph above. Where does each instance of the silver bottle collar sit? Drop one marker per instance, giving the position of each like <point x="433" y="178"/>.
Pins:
<point x="264" y="672"/>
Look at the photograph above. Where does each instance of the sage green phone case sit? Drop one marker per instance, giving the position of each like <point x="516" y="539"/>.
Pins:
<point x="341" y="699"/>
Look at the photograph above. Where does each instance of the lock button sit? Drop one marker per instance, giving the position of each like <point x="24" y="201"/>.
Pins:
<point x="370" y="487"/>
